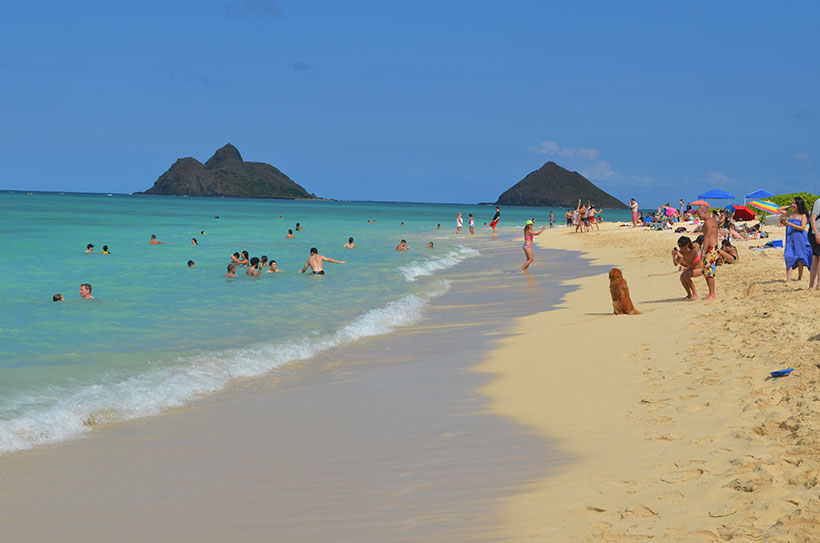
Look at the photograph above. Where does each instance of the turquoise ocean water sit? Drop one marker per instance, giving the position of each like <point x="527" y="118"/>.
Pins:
<point x="160" y="333"/>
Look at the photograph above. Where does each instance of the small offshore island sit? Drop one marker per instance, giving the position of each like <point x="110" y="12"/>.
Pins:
<point x="226" y="174"/>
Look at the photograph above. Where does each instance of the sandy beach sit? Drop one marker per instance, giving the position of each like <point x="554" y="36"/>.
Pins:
<point x="676" y="431"/>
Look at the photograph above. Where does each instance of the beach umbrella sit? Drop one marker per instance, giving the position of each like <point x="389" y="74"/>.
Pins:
<point x="716" y="195"/>
<point x="699" y="203"/>
<point x="763" y="205"/>
<point x="759" y="194"/>
<point x="742" y="213"/>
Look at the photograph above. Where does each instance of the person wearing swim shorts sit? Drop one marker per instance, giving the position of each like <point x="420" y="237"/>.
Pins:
<point x="314" y="262"/>
<point x="496" y="218"/>
<point x="634" y="205"/>
<point x="710" y="253"/>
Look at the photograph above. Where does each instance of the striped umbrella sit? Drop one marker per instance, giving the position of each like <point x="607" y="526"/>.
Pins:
<point x="762" y="205"/>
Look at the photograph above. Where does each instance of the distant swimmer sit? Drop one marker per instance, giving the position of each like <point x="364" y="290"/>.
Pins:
<point x="194" y="241"/>
<point x="155" y="241"/>
<point x="231" y="270"/>
<point x="85" y="291"/>
<point x="402" y="246"/>
<point x="244" y="260"/>
<point x="273" y="268"/>
<point x="263" y="262"/>
<point x="471" y="224"/>
<point x="290" y="235"/>
<point x="298" y="227"/>
<point x="235" y="258"/>
<point x="430" y="245"/>
<point x="89" y="248"/>
<point x="459" y="223"/>
<point x="402" y="223"/>
<point x="496" y="218"/>
<point x="191" y="264"/>
<point x="349" y="244"/>
<point x="315" y="262"/>
<point x="57" y="297"/>
<point x="203" y="232"/>
<point x="105" y="250"/>
<point x="368" y="221"/>
<point x="438" y="226"/>
<point x="281" y="217"/>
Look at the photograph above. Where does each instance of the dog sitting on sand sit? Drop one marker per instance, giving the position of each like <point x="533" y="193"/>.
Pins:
<point x="621" y="302"/>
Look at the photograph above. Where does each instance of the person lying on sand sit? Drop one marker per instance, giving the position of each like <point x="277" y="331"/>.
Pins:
<point x="728" y="252"/>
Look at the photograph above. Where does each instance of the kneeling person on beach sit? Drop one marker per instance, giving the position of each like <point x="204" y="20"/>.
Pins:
<point x="315" y="262"/>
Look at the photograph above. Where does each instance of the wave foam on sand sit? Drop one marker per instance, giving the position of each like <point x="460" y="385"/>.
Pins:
<point x="61" y="413"/>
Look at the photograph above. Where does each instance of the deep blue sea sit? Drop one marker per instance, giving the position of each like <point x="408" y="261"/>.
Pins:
<point x="159" y="333"/>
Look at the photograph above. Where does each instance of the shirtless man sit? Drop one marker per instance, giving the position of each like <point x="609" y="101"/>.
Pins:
<point x="231" y="270"/>
<point x="634" y="205"/>
<point x="315" y="262"/>
<point x="89" y="248"/>
<point x="272" y="268"/>
<point x="709" y="249"/>
<point x="85" y="292"/>
<point x="155" y="241"/>
<point x="349" y="244"/>
<point x="402" y="246"/>
<point x="290" y="235"/>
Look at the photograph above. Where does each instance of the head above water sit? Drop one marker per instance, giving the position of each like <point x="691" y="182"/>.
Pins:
<point x="314" y="251"/>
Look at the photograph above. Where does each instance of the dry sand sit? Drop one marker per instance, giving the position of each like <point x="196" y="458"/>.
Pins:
<point x="677" y="432"/>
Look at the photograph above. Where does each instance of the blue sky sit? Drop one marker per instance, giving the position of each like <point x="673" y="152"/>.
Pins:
<point x="422" y="101"/>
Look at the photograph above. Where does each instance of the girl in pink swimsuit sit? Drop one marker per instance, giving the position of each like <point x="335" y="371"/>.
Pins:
<point x="529" y="234"/>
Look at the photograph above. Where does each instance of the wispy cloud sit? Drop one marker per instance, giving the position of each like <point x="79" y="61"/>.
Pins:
<point x="721" y="178"/>
<point x="583" y="159"/>
<point x="803" y="158"/>
<point x="254" y="8"/>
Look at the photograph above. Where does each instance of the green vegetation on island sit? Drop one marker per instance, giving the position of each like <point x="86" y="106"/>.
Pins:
<point x="553" y="186"/>
<point x="226" y="174"/>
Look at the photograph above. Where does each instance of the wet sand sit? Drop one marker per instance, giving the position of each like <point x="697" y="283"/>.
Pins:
<point x="384" y="440"/>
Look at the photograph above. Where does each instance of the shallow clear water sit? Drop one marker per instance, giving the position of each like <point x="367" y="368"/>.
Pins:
<point x="160" y="333"/>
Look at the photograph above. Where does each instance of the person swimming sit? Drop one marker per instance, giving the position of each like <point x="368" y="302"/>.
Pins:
<point x="57" y="298"/>
<point x="105" y="250"/>
<point x="349" y="244"/>
<point x="402" y="246"/>
<point x="89" y="248"/>
<point x="290" y="235"/>
<point x="194" y="242"/>
<point x="191" y="264"/>
<point x="231" y="270"/>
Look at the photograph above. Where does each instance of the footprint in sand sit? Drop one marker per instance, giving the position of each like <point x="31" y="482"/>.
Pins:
<point x="641" y="511"/>
<point x="682" y="476"/>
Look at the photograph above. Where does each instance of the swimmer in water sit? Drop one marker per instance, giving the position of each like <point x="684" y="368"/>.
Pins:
<point x="57" y="297"/>
<point x="190" y="263"/>
<point x="273" y="268"/>
<point x="349" y="244"/>
<point x="105" y="250"/>
<point x="85" y="292"/>
<point x="290" y="235"/>
<point x="235" y="258"/>
<point x="155" y="241"/>
<point x="430" y="245"/>
<point x="253" y="270"/>
<point x="298" y="227"/>
<point x="231" y="270"/>
<point x="89" y="248"/>
<point x="194" y="242"/>
<point x="315" y="262"/>
<point x="402" y="246"/>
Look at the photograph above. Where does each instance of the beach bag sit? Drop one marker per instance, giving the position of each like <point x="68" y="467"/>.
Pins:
<point x="680" y="229"/>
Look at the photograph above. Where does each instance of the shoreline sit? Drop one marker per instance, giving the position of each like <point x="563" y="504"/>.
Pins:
<point x="676" y="433"/>
<point x="387" y="436"/>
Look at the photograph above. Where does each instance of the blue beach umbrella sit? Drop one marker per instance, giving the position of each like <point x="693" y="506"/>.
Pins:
<point x="758" y="195"/>
<point x="716" y="195"/>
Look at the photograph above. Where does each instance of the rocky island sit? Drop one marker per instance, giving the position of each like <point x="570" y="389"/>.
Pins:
<point x="553" y="186"/>
<point x="226" y="174"/>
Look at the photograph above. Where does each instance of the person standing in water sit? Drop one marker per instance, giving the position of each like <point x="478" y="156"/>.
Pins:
<point x="496" y="218"/>
<point x="529" y="234"/>
<point x="314" y="262"/>
<point x="471" y="224"/>
<point x="459" y="223"/>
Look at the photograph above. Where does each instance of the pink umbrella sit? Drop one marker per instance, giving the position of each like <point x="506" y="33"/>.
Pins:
<point x="700" y="203"/>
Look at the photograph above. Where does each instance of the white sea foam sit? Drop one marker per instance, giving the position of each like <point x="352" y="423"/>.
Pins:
<point x="57" y="414"/>
<point x="428" y="266"/>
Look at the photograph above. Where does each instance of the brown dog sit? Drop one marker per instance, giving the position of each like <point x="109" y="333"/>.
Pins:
<point x="621" y="302"/>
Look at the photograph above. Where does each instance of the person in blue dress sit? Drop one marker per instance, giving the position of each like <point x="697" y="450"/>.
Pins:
<point x="796" y="249"/>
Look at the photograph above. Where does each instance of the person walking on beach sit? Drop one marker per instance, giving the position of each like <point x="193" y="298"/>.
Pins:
<point x="814" y="241"/>
<point x="314" y="262"/>
<point x="459" y="223"/>
<point x="634" y="205"/>
<point x="85" y="291"/>
<point x="496" y="218"/>
<point x="529" y="234"/>
<point x="710" y="252"/>
<point x="797" y="251"/>
<point x="552" y="220"/>
<point x="591" y="217"/>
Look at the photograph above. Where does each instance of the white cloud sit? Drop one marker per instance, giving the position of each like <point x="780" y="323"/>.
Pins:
<point x="803" y="158"/>
<point x="718" y="177"/>
<point x="585" y="160"/>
